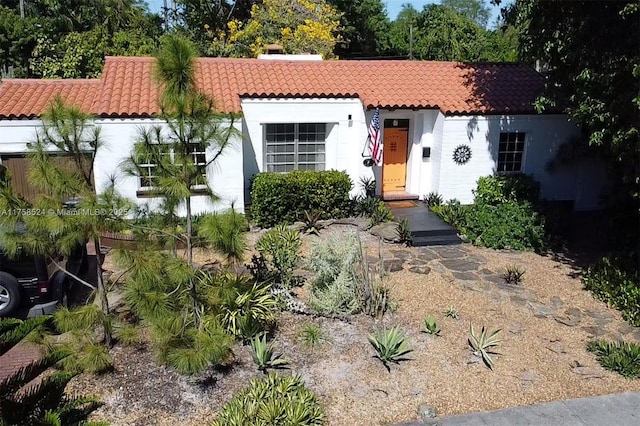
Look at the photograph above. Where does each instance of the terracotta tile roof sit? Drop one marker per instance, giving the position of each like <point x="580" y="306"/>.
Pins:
<point x="26" y="98"/>
<point x="126" y="87"/>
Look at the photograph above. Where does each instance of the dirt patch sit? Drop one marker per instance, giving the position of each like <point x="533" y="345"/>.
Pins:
<point x="542" y="358"/>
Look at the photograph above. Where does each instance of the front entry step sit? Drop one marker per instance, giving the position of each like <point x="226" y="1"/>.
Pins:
<point x="398" y="196"/>
<point x="426" y="228"/>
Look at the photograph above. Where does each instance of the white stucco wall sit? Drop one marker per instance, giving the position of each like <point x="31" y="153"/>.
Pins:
<point x="544" y="134"/>
<point x="345" y="139"/>
<point x="119" y="136"/>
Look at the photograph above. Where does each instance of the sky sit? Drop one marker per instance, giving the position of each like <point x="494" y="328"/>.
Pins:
<point x="393" y="7"/>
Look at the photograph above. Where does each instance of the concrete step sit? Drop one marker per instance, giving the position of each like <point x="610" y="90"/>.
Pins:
<point x="442" y="240"/>
<point x="434" y="232"/>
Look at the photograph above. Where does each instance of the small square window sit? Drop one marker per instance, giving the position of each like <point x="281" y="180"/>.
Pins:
<point x="510" y="152"/>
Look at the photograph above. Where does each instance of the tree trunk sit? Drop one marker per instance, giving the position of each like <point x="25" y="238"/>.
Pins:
<point x="192" y="284"/>
<point x="102" y="291"/>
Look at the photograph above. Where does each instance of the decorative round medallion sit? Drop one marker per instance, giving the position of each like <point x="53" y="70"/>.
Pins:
<point x="462" y="154"/>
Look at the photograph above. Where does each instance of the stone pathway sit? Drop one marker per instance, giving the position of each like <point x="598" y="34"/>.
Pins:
<point x="468" y="270"/>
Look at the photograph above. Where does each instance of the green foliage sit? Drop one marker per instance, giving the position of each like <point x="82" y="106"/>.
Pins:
<point x="391" y="345"/>
<point x="433" y="199"/>
<point x="280" y="246"/>
<point x="128" y="335"/>
<point x="513" y="274"/>
<point x="380" y="214"/>
<point x="593" y="70"/>
<point x="498" y="189"/>
<point x="365" y="206"/>
<point x="365" y="28"/>
<point x="246" y="308"/>
<point x="45" y="400"/>
<point x="344" y="284"/>
<point x="442" y="33"/>
<point x="451" y="212"/>
<point x="429" y="326"/>
<point x="311" y="223"/>
<point x="225" y="233"/>
<point x="451" y="312"/>
<point x="264" y="356"/>
<point x="273" y="400"/>
<point x="312" y="334"/>
<point x="299" y="26"/>
<point x="484" y="344"/>
<point x="368" y="185"/>
<point x="616" y="280"/>
<point x="278" y="197"/>
<point x="404" y="234"/>
<point x="475" y="10"/>
<point x="621" y="357"/>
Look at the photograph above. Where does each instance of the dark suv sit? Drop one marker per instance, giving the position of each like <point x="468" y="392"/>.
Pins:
<point x="31" y="281"/>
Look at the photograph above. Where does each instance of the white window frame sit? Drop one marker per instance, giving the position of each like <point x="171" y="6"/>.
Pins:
<point x="511" y="152"/>
<point x="295" y="143"/>
<point x="149" y="167"/>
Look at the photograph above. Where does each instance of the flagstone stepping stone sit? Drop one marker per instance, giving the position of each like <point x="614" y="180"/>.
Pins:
<point x="569" y="321"/>
<point x="541" y="311"/>
<point x="495" y="278"/>
<point x="437" y="267"/>
<point x="386" y="231"/>
<point x="528" y="376"/>
<point x="595" y="331"/>
<point x="597" y="314"/>
<point x="557" y="302"/>
<point x="420" y="269"/>
<point x="401" y="254"/>
<point x="486" y="272"/>
<point x="601" y="322"/>
<point x="588" y="372"/>
<point x="460" y="265"/>
<point x="475" y="258"/>
<point x="466" y="276"/>
<point x="470" y="285"/>
<point x="627" y="328"/>
<point x="426" y="253"/>
<point x="574" y="312"/>
<point x="522" y="299"/>
<point x="417" y="262"/>
<point x="392" y="265"/>
<point x="450" y="252"/>
<point x="556" y="347"/>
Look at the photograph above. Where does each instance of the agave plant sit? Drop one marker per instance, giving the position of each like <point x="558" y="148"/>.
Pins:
<point x="483" y="345"/>
<point x="513" y="274"/>
<point x="404" y="233"/>
<point x="429" y="326"/>
<point x="312" y="222"/>
<point x="264" y="356"/>
<point x="451" y="312"/>
<point x="621" y="357"/>
<point x="390" y="345"/>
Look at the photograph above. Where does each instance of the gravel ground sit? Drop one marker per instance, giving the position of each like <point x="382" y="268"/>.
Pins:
<point x="538" y="360"/>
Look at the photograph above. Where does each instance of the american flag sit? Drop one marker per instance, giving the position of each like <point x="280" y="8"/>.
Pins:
<point x="375" y="144"/>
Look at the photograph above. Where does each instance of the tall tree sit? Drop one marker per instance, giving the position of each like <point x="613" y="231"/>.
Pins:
<point x="196" y="137"/>
<point x="476" y="10"/>
<point x="70" y="38"/>
<point x="61" y="167"/>
<point x="365" y="28"/>
<point x="299" y="26"/>
<point x="591" y="54"/>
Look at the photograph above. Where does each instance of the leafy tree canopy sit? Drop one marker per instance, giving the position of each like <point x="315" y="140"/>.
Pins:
<point x="299" y="26"/>
<point x="70" y="38"/>
<point x="365" y="28"/>
<point x="475" y="10"/>
<point x="592" y="55"/>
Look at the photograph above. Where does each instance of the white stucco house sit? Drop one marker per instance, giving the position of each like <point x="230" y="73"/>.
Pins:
<point x="443" y="124"/>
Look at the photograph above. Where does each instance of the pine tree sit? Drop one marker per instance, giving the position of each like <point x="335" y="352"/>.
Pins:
<point x="69" y="212"/>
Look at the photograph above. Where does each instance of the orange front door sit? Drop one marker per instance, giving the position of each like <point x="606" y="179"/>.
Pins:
<point x="394" y="159"/>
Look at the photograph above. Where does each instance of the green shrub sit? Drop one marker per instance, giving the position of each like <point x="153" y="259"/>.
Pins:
<point x="503" y="188"/>
<point x="280" y="247"/>
<point x="404" y="233"/>
<point x="390" y="345"/>
<point x="621" y="357"/>
<point x="274" y="400"/>
<point x="429" y="326"/>
<point x="224" y="232"/>
<point x="344" y="284"/>
<point x="484" y="344"/>
<point x="380" y="214"/>
<point x="365" y="206"/>
<point x="616" y="280"/>
<point x="513" y="274"/>
<point x="451" y="212"/>
<point x="433" y="199"/>
<point x="263" y="354"/>
<point x="510" y="225"/>
<point x="277" y="197"/>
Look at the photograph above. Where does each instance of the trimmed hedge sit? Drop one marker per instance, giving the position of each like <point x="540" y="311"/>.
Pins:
<point x="283" y="198"/>
<point x="499" y="189"/>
